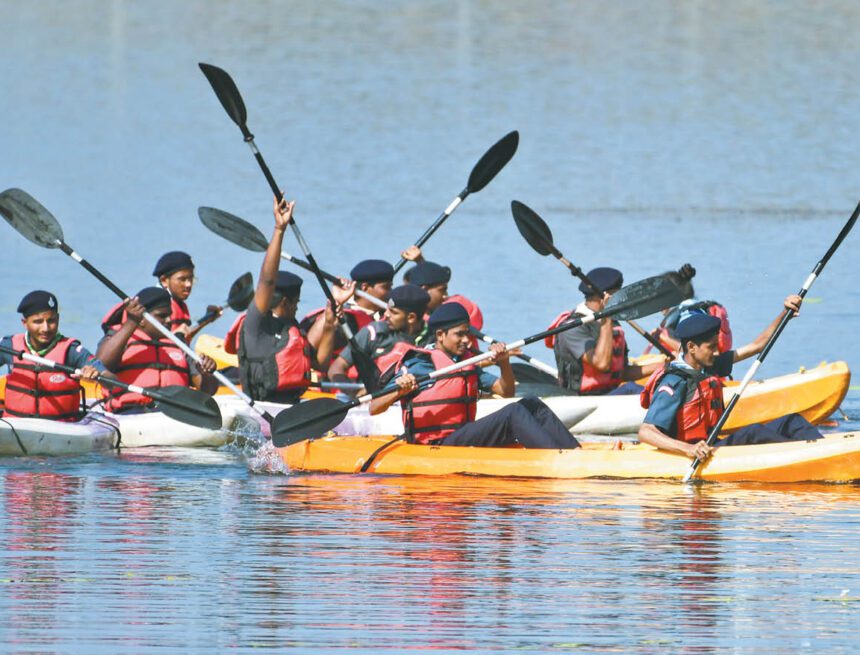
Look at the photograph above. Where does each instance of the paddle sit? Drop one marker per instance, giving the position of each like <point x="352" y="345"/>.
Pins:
<point x="227" y="92"/>
<point x="493" y="161"/>
<point x="179" y="403"/>
<point x="316" y="417"/>
<point x="816" y="271"/>
<point x="246" y="235"/>
<point x="238" y="298"/>
<point x="545" y="370"/>
<point x="38" y="225"/>
<point x="538" y="235"/>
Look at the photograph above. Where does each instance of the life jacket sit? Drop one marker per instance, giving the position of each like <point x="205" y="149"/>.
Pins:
<point x="452" y="401"/>
<point x="287" y="369"/>
<point x="385" y="360"/>
<point x="476" y="318"/>
<point x="592" y="380"/>
<point x="702" y="406"/>
<point x="36" y="391"/>
<point x="356" y="318"/>
<point x="179" y="314"/>
<point x="231" y="341"/>
<point x="115" y="317"/>
<point x="147" y="362"/>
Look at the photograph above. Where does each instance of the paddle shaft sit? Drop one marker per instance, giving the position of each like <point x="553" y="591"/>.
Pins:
<point x="109" y="382"/>
<point x="539" y="365"/>
<point x="436" y="225"/>
<point x="816" y="271"/>
<point x="164" y="330"/>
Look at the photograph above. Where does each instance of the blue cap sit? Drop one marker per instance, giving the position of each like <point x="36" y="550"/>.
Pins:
<point x="604" y="278"/>
<point x="429" y="274"/>
<point x="372" y="271"/>
<point x="288" y="284"/>
<point x="447" y="315"/>
<point x="38" y="301"/>
<point x="410" y="298"/>
<point x="172" y="261"/>
<point x="697" y="326"/>
<point x="152" y="297"/>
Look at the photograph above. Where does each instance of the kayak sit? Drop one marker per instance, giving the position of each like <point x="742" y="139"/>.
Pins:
<point x="835" y="458"/>
<point x="209" y="344"/>
<point x="39" y="436"/>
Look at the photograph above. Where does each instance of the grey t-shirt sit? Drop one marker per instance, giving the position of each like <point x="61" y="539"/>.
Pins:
<point x="570" y="346"/>
<point x="264" y="334"/>
<point x="375" y="340"/>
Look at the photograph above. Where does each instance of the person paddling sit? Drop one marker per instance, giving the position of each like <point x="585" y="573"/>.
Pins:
<point x="684" y="399"/>
<point x="403" y="324"/>
<point x="175" y="272"/>
<point x="592" y="358"/>
<point x="138" y="354"/>
<point x="275" y="355"/>
<point x="34" y="391"/>
<point x="444" y="413"/>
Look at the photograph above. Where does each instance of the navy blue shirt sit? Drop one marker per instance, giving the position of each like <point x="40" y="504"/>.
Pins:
<point x="671" y="394"/>
<point x="77" y="356"/>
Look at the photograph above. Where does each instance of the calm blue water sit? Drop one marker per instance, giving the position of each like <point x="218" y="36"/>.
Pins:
<point x="652" y="134"/>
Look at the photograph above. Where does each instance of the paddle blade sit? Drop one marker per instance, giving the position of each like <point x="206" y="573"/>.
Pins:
<point x="536" y="233"/>
<point x="307" y="420"/>
<point x="233" y="228"/>
<point x="227" y="92"/>
<point x="241" y="293"/>
<point x="493" y="161"/>
<point x="643" y="298"/>
<point x="188" y="406"/>
<point x="35" y="223"/>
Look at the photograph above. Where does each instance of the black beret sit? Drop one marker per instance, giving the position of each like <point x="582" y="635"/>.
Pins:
<point x="288" y="284"/>
<point x="604" y="278"/>
<point x="697" y="326"/>
<point x="447" y="315"/>
<point x="428" y="274"/>
<point x="172" y="261"/>
<point x="410" y="298"/>
<point x="38" y="301"/>
<point x="152" y="297"/>
<point x="372" y="271"/>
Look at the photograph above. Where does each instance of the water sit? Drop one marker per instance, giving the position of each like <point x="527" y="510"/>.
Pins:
<point x="652" y="134"/>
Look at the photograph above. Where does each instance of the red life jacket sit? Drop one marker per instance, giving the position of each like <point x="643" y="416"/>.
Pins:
<point x="594" y="381"/>
<point x="114" y="318"/>
<point x="725" y="336"/>
<point x="36" y="391"/>
<point x="179" y="314"/>
<point x="231" y="341"/>
<point x="360" y="320"/>
<point x="549" y="341"/>
<point x="476" y="318"/>
<point x="449" y="404"/>
<point x="147" y="362"/>
<point x="702" y="407"/>
<point x="288" y="369"/>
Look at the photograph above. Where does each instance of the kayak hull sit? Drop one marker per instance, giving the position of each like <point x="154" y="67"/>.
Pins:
<point x="835" y="458"/>
<point x="37" y="436"/>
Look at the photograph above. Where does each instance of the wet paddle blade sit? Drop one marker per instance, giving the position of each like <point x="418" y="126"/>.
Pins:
<point x="525" y="374"/>
<point x="536" y="233"/>
<point x="307" y="420"/>
<point x="643" y="298"/>
<point x="227" y="92"/>
<point x="241" y="293"/>
<point x="188" y="406"/>
<point x="493" y="161"/>
<point x="233" y="228"/>
<point x="30" y="219"/>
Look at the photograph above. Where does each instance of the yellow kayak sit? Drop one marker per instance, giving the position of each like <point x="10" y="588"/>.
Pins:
<point x="835" y="458"/>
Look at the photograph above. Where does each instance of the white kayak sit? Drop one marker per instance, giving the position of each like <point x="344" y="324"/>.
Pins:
<point x="39" y="436"/>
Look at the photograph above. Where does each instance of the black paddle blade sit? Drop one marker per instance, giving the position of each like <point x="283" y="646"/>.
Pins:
<point x="227" y="92"/>
<point x="188" y="406"/>
<point x="525" y="374"/>
<point x="307" y="420"/>
<point x="241" y="293"/>
<point x="643" y="298"/>
<point x="536" y="233"/>
<point x="35" y="223"/>
<point x="493" y="161"/>
<point x="233" y="228"/>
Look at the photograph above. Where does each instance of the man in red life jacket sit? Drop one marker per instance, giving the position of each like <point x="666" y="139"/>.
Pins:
<point x="404" y="323"/>
<point x="36" y="391"/>
<point x="175" y="272"/>
<point x="139" y="354"/>
<point x="684" y="399"/>
<point x="275" y="355"/>
<point x="374" y="277"/>
<point x="592" y="358"/>
<point x="444" y="413"/>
